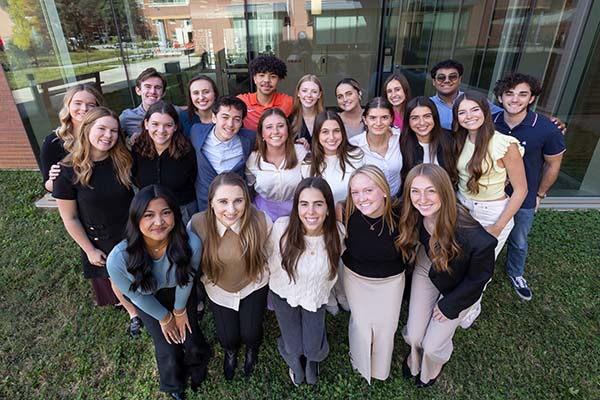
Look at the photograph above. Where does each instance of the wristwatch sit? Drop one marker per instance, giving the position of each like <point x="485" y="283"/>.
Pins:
<point x="541" y="196"/>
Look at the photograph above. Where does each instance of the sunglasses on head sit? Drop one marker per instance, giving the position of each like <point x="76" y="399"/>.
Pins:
<point x="442" y="78"/>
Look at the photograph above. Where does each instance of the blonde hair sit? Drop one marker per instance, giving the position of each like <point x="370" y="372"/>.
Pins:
<point x="65" y="130"/>
<point x="291" y="159"/>
<point x="80" y="158"/>
<point x="296" y="124"/>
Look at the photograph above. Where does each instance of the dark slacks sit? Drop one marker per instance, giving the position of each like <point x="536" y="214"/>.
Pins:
<point x="242" y="326"/>
<point x="177" y="361"/>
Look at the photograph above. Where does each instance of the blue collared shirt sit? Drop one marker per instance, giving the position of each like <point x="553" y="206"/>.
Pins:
<point x="223" y="156"/>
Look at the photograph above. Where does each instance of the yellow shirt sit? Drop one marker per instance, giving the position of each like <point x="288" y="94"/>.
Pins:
<point x="493" y="179"/>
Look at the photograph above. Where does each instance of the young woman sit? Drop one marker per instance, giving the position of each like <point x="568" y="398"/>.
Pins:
<point x="234" y="264"/>
<point x="273" y="168"/>
<point x="307" y="104"/>
<point x="374" y="275"/>
<point x="424" y="141"/>
<point x="486" y="160"/>
<point x="332" y="157"/>
<point x="306" y="251"/>
<point x="454" y="259"/>
<point x="78" y="100"/>
<point x="202" y="93"/>
<point x="348" y="94"/>
<point x="155" y="266"/>
<point x="163" y="155"/>
<point x="397" y="91"/>
<point x="93" y="192"/>
<point x="380" y="143"/>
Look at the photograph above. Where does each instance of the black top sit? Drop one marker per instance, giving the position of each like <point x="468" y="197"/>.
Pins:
<point x="303" y="133"/>
<point x="52" y="152"/>
<point x="372" y="253"/>
<point x="102" y="208"/>
<point x="468" y="274"/>
<point x="177" y="175"/>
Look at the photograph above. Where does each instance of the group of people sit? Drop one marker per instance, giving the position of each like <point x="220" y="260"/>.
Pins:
<point x="265" y="200"/>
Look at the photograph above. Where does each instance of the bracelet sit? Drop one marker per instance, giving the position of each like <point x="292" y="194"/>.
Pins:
<point x="168" y="321"/>
<point x="180" y="315"/>
<point x="541" y="196"/>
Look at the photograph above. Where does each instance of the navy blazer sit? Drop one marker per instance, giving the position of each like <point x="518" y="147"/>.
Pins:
<point x="206" y="172"/>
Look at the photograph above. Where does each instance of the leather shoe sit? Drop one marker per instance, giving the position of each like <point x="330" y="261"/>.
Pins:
<point x="229" y="363"/>
<point x="177" y="396"/>
<point x="420" y="384"/>
<point x="135" y="326"/>
<point x="250" y="361"/>
<point x="406" y="372"/>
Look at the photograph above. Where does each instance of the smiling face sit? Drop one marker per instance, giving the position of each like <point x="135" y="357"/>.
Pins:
<point x="470" y="115"/>
<point x="330" y="137"/>
<point x="157" y="222"/>
<point x="274" y="131"/>
<point x="516" y="100"/>
<point x="421" y="123"/>
<point x="347" y="97"/>
<point x="309" y="94"/>
<point x="395" y="93"/>
<point x="446" y="81"/>
<point x="202" y="94"/>
<point x="266" y="83"/>
<point x="228" y="122"/>
<point x="425" y="197"/>
<point x="367" y="196"/>
<point x="151" y="91"/>
<point x="312" y="211"/>
<point x="103" y="135"/>
<point x="82" y="102"/>
<point x="160" y="127"/>
<point x="378" y="121"/>
<point x="228" y="204"/>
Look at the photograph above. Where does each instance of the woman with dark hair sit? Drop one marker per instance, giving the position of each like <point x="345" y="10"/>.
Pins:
<point x="93" y="192"/>
<point x="234" y="262"/>
<point x="396" y="90"/>
<point x="454" y="259"/>
<point x="307" y="104"/>
<point x="424" y="141"/>
<point x="349" y="94"/>
<point x="380" y="142"/>
<point x="273" y="168"/>
<point x="163" y="155"/>
<point x="202" y="92"/>
<point x="306" y="251"/>
<point x="154" y="267"/>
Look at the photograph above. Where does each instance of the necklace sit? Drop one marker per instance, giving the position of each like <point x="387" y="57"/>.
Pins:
<point x="372" y="225"/>
<point x="161" y="247"/>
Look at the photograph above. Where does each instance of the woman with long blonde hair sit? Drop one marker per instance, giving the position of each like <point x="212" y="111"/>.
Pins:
<point x="308" y="102"/>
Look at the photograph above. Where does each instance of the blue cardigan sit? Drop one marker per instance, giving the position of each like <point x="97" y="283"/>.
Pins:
<point x="206" y="172"/>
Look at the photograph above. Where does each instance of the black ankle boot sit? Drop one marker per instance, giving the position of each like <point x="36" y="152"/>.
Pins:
<point x="250" y="361"/>
<point x="178" y="396"/>
<point x="229" y="363"/>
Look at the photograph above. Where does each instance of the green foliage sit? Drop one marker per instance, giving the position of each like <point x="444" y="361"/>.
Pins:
<point x="54" y="343"/>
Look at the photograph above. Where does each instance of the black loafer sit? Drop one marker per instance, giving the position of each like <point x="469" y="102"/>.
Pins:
<point x="178" y="396"/>
<point x="406" y="372"/>
<point x="135" y="326"/>
<point x="250" y="361"/>
<point x="229" y="363"/>
<point x="420" y="384"/>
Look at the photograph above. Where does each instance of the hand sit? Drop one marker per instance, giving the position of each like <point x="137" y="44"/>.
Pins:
<point x="97" y="257"/>
<point x="183" y="323"/>
<point x="538" y="200"/>
<point x="54" y="172"/>
<point x="493" y="230"/>
<point x="438" y="315"/>
<point x="561" y="125"/>
<point x="169" y="329"/>
<point x="304" y="143"/>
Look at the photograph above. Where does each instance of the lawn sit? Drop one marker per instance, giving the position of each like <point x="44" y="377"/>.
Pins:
<point x="18" y="79"/>
<point x="55" y="344"/>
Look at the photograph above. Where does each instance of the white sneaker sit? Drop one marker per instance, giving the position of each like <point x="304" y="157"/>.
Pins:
<point x="471" y="316"/>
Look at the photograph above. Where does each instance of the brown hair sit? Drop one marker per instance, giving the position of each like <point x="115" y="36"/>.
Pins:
<point x="65" y="131"/>
<point x="398" y="76"/>
<point x="150" y="73"/>
<point x="296" y="124"/>
<point x="191" y="107"/>
<point x="291" y="159"/>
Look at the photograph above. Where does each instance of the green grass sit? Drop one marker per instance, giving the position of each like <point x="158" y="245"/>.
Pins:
<point x="18" y="79"/>
<point x="55" y="344"/>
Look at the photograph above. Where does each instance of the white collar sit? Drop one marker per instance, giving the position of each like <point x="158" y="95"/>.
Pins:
<point x="221" y="229"/>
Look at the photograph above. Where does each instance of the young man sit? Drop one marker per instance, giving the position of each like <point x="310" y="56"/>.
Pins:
<point x="150" y="86"/>
<point x="544" y="148"/>
<point x="446" y="76"/>
<point x="266" y="72"/>
<point x="221" y="146"/>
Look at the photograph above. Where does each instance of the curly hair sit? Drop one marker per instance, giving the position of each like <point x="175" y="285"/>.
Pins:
<point x="513" y="79"/>
<point x="268" y="64"/>
<point x="447" y="64"/>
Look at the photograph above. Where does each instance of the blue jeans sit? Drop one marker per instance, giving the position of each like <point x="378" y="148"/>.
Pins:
<point x="517" y="242"/>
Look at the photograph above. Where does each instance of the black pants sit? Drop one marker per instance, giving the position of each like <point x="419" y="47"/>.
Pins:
<point x="243" y="326"/>
<point x="176" y="361"/>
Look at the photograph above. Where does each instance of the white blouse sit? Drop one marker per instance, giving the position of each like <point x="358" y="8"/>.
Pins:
<point x="332" y="173"/>
<point x="390" y="164"/>
<point x="312" y="286"/>
<point x="273" y="182"/>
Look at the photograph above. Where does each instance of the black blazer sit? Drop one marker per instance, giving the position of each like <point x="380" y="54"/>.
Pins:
<point x="468" y="274"/>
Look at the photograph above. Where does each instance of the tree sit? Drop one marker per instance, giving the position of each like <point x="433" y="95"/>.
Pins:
<point x="29" y="30"/>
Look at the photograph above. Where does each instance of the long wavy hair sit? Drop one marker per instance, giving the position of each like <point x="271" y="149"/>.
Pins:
<point x="292" y="244"/>
<point x="346" y="152"/>
<point x="80" y="158"/>
<point x="451" y="217"/>
<point x="438" y="139"/>
<point x="191" y="108"/>
<point x="400" y="78"/>
<point x="179" y="146"/>
<point x="291" y="160"/>
<point x="178" y="251"/>
<point x="296" y="124"/>
<point x="377" y="176"/>
<point x="481" y="162"/>
<point x="66" y="130"/>
<point x="253" y="233"/>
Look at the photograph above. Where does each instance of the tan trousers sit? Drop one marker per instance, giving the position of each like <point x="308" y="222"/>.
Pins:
<point x="374" y="314"/>
<point x="430" y="341"/>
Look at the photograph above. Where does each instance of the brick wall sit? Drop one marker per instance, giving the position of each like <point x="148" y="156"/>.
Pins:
<point x="15" y="150"/>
